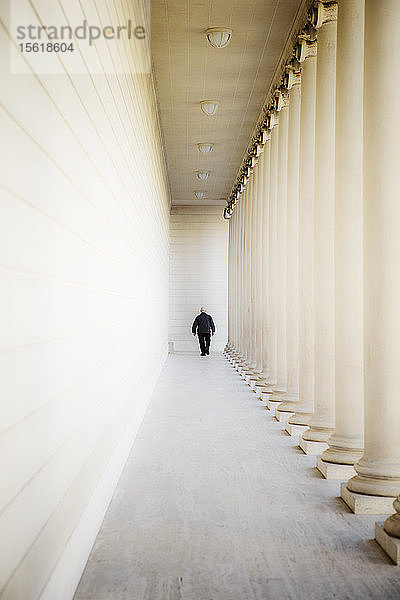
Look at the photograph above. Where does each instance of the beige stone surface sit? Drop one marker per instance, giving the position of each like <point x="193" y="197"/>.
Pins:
<point x="388" y="543"/>
<point x="334" y="470"/>
<point x="272" y="405"/>
<point x="282" y="416"/>
<point x="215" y="502"/>
<point x="295" y="429"/>
<point x="362" y="504"/>
<point x="310" y="447"/>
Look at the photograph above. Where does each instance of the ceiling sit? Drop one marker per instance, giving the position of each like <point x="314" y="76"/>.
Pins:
<point x="187" y="70"/>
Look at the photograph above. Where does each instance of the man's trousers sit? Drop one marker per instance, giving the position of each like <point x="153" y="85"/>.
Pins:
<point x="204" y="341"/>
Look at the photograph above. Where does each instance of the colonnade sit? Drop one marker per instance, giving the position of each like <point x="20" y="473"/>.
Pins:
<point x="314" y="255"/>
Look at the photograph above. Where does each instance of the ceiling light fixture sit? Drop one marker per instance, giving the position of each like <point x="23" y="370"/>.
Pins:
<point x="203" y="175"/>
<point x="200" y="195"/>
<point x="205" y="147"/>
<point x="209" y="107"/>
<point x="219" y="37"/>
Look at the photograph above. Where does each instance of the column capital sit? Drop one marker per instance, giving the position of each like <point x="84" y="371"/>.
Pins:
<point x="322" y="12"/>
<point x="291" y="77"/>
<point x="305" y="48"/>
<point x="281" y="99"/>
<point x="272" y="118"/>
<point x="265" y="135"/>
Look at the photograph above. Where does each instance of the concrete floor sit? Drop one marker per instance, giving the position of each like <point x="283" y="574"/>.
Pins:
<point x="217" y="503"/>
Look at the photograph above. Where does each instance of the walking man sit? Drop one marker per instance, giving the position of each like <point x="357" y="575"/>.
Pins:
<point x="204" y="325"/>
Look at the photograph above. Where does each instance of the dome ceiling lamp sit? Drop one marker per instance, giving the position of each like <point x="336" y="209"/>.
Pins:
<point x="203" y="175"/>
<point x="205" y="147"/>
<point x="200" y="195"/>
<point x="219" y="37"/>
<point x="209" y="107"/>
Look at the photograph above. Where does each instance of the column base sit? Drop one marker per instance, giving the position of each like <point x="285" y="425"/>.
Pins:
<point x="388" y="543"/>
<point x="277" y="396"/>
<point x="312" y="448"/>
<point x="253" y="382"/>
<point x="318" y="434"/>
<point x="244" y="374"/>
<point x="267" y="391"/>
<point x="295" y="429"/>
<point x="264" y="396"/>
<point x="259" y="391"/>
<point x="282" y="416"/>
<point x="342" y="456"/>
<point x="334" y="470"/>
<point x="362" y="504"/>
<point x="272" y="405"/>
<point x="301" y="418"/>
<point x="250" y="379"/>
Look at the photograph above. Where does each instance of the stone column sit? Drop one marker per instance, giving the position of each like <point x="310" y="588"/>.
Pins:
<point x="378" y="471"/>
<point x="282" y="106"/>
<point x="258" y="259"/>
<point x="306" y="52"/>
<point x="249" y="267"/>
<point x="230" y="290"/>
<point x="241" y="262"/>
<point x="253" y="374"/>
<point x="232" y="346"/>
<point x="236" y="278"/>
<point x="248" y="368"/>
<point x="246" y="278"/>
<point x="254" y="273"/>
<point x="272" y="255"/>
<point x="346" y="444"/>
<point x="322" y="423"/>
<point x="292" y="279"/>
<point x="251" y="211"/>
<point x="264" y="387"/>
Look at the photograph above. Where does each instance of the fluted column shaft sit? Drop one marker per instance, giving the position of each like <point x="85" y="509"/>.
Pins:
<point x="233" y="280"/>
<point x="248" y="233"/>
<point x="247" y="273"/>
<point x="238" y="210"/>
<point x="322" y="422"/>
<point x="346" y="444"/>
<point x="265" y="262"/>
<point x="305" y="405"/>
<point x="253" y="263"/>
<point x="272" y="254"/>
<point x="242" y="261"/>
<point x="280" y="261"/>
<point x="252" y="187"/>
<point x="230" y="282"/>
<point x="292" y="286"/>
<point x="379" y="468"/>
<point x="258" y="263"/>
<point x="236" y="280"/>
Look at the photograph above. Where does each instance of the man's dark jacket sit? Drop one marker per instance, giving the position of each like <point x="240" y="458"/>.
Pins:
<point x="203" y="323"/>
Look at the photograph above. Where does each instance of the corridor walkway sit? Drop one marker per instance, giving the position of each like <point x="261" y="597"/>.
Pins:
<point x="217" y="503"/>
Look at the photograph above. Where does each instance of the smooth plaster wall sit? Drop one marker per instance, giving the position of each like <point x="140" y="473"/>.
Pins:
<point x="198" y="273"/>
<point x="84" y="276"/>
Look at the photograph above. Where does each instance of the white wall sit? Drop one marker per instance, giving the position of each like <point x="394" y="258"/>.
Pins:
<point x="84" y="303"/>
<point x="198" y="273"/>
